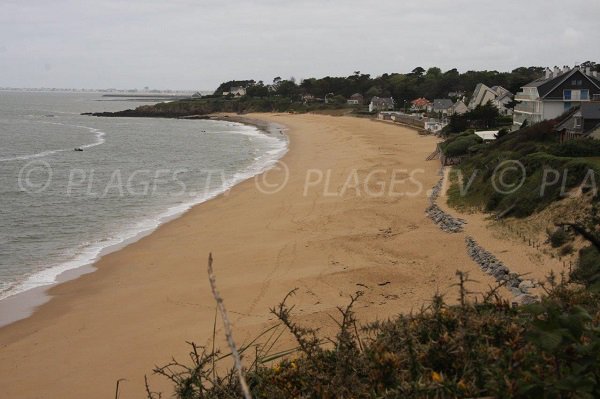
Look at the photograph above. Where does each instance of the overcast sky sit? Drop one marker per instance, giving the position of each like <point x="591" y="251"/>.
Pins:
<point x="183" y="44"/>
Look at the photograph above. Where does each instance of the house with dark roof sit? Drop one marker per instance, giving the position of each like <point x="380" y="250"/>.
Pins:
<point x="555" y="93"/>
<point x="381" y="104"/>
<point x="441" y="106"/>
<point x="583" y="121"/>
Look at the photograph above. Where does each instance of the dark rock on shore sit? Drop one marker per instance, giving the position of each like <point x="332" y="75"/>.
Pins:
<point x="495" y="268"/>
<point x="445" y="221"/>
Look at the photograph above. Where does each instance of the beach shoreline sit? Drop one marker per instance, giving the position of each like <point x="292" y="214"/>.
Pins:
<point x="284" y="229"/>
<point x="23" y="304"/>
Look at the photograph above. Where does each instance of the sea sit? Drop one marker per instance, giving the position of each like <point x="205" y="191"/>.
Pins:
<point x="75" y="187"/>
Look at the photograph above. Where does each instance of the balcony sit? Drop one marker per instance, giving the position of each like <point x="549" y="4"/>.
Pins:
<point x="526" y="97"/>
<point x="528" y="107"/>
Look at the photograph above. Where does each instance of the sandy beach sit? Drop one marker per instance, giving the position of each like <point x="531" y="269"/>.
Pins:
<point x="346" y="213"/>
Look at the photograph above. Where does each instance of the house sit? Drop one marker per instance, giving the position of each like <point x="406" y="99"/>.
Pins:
<point x="381" y="104"/>
<point x="583" y="121"/>
<point x="419" y="104"/>
<point x="554" y="94"/>
<point x="307" y="98"/>
<point x="237" y="91"/>
<point x="497" y="95"/>
<point x="503" y="103"/>
<point x="441" y="106"/>
<point x="459" y="108"/>
<point x="356" y="99"/>
<point x="482" y="95"/>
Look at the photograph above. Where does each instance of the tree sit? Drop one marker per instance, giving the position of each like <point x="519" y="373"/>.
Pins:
<point x="418" y="71"/>
<point x="373" y="91"/>
<point x="287" y="88"/>
<point x="483" y="116"/>
<point x="434" y="72"/>
<point x="257" y="90"/>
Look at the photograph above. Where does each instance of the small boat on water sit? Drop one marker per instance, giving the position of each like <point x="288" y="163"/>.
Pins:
<point x="78" y="149"/>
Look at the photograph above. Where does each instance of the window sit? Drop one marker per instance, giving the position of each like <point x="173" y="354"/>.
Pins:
<point x="579" y="83"/>
<point x="585" y="94"/>
<point x="577" y="121"/>
<point x="574" y="83"/>
<point x="572" y="95"/>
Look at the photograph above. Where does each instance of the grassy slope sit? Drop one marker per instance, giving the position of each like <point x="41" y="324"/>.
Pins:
<point x="536" y="149"/>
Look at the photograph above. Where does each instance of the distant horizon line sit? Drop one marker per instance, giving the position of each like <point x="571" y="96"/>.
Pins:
<point x="108" y="90"/>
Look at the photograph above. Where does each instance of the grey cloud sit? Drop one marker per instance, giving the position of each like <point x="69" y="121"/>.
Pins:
<point x="197" y="44"/>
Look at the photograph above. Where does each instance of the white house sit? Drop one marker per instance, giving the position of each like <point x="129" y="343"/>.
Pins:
<point x="554" y="94"/>
<point x="237" y="91"/>
<point x="419" y="104"/>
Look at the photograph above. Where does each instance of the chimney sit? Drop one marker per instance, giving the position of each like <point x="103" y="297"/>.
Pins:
<point x="595" y="74"/>
<point x="556" y="71"/>
<point x="588" y="71"/>
<point x="548" y="73"/>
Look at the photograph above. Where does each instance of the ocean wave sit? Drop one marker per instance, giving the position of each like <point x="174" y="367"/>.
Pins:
<point x="88" y="254"/>
<point x="99" y="135"/>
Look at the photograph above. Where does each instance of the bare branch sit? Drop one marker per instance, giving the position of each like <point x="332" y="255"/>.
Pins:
<point x="228" y="330"/>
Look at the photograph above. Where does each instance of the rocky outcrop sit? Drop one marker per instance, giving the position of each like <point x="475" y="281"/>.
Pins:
<point x="445" y="221"/>
<point x="195" y="109"/>
<point x="495" y="268"/>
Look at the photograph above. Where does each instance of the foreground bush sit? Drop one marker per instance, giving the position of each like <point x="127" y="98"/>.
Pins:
<point x="485" y="348"/>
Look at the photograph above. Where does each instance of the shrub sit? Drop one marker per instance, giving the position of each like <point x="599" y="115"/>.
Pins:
<point x="461" y="144"/>
<point x="558" y="238"/>
<point x="587" y="270"/>
<point x="566" y="250"/>
<point x="577" y="148"/>
<point x="474" y="349"/>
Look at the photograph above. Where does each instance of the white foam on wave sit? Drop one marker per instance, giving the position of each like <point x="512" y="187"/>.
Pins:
<point x="93" y="252"/>
<point x="99" y="135"/>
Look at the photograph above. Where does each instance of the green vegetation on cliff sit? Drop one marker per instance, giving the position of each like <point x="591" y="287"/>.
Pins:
<point x="521" y="172"/>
